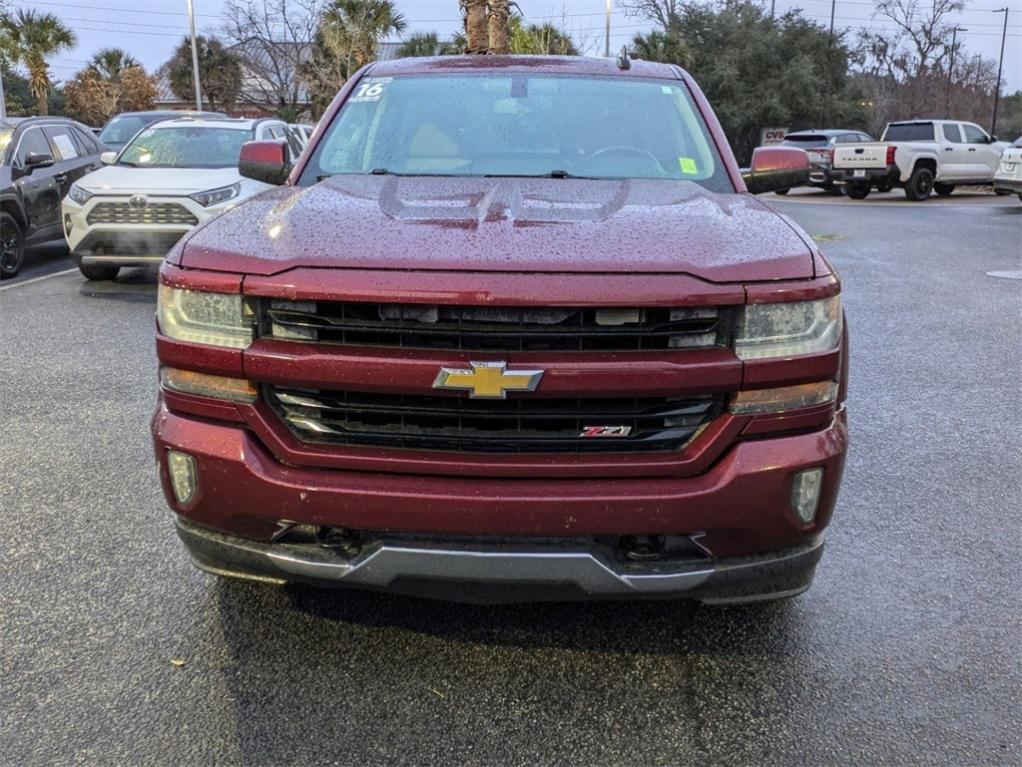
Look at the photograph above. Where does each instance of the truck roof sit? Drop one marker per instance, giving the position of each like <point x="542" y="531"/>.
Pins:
<point x="579" y="65"/>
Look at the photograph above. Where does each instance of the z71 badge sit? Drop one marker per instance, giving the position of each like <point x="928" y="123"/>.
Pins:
<point x="606" y="431"/>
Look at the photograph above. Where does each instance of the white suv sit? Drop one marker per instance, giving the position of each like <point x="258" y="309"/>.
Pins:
<point x="170" y="177"/>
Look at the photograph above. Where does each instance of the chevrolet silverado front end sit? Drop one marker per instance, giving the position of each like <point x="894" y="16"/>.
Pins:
<point x="571" y="361"/>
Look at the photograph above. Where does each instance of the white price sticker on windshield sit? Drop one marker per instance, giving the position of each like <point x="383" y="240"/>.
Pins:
<point x="370" y="89"/>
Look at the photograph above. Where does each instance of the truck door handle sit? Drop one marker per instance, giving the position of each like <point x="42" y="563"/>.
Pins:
<point x="972" y="149"/>
<point x="948" y="149"/>
<point x="61" y="177"/>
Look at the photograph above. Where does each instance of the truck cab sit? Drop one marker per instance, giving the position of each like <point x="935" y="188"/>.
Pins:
<point x="510" y="328"/>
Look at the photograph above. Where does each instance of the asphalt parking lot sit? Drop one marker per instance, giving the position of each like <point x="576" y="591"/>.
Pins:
<point x="116" y="651"/>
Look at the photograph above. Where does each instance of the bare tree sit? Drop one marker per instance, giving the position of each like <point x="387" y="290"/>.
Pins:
<point x="272" y="39"/>
<point x="664" y="13"/>
<point x="922" y="39"/>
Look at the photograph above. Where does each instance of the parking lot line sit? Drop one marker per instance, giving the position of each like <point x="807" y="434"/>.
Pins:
<point x="38" y="279"/>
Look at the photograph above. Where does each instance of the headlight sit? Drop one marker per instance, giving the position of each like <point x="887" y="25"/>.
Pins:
<point x="216" y="196"/>
<point x="788" y="329"/>
<point x="217" y="319"/>
<point x="78" y="194"/>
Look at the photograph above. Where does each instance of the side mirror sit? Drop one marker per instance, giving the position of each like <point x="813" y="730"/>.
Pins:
<point x="266" y="161"/>
<point x="37" y="160"/>
<point x="108" y="158"/>
<point x="776" y="167"/>
<point x="993" y="139"/>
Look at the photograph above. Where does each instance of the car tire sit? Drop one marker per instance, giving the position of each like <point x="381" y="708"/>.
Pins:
<point x="858" y="191"/>
<point x="919" y="185"/>
<point x="944" y="190"/>
<point x="12" y="246"/>
<point x="781" y="191"/>
<point x="98" y="272"/>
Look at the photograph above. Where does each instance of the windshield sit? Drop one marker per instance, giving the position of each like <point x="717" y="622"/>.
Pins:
<point x="513" y="124"/>
<point x="120" y="129"/>
<point x="186" y="146"/>
<point x="909" y="132"/>
<point x="5" y="138"/>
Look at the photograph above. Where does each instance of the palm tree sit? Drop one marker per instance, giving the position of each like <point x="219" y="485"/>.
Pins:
<point x="419" y="44"/>
<point x="667" y="47"/>
<point x="356" y="26"/>
<point x="110" y="62"/>
<point x="29" y="37"/>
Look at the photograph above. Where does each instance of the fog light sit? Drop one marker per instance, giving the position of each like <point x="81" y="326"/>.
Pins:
<point x="805" y="494"/>
<point x="67" y="225"/>
<point x="181" y="468"/>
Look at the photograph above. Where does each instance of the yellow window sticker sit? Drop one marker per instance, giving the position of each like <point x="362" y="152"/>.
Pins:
<point x="688" y="166"/>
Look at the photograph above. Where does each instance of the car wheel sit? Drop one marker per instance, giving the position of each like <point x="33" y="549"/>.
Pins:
<point x="781" y="191"/>
<point x="12" y="246"/>
<point x="919" y="185"/>
<point x="858" y="191"/>
<point x="944" y="190"/>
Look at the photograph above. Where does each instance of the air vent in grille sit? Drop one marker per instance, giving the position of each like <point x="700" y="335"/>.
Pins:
<point x="495" y="329"/>
<point x="154" y="213"/>
<point x="523" y="425"/>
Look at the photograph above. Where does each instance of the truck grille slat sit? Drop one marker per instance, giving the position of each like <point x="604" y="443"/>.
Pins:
<point x="495" y="329"/>
<point x="153" y="213"/>
<point x="526" y="425"/>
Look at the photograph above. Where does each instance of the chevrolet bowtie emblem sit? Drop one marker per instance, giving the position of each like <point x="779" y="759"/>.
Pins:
<point x="488" y="380"/>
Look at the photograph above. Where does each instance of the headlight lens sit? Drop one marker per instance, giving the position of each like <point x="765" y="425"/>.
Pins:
<point x="217" y="319"/>
<point x="216" y="196"/>
<point x="788" y="329"/>
<point x="78" y="194"/>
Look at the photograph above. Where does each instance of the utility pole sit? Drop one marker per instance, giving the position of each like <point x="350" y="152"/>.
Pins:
<point x="606" y="48"/>
<point x="3" y="99"/>
<point x="951" y="65"/>
<point x="833" y="4"/>
<point x="773" y="5"/>
<point x="195" y="58"/>
<point x="1000" y="63"/>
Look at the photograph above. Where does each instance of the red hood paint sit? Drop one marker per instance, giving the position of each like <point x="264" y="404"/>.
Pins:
<point x="503" y="225"/>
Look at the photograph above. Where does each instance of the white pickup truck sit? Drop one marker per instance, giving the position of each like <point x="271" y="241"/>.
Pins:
<point x="920" y="156"/>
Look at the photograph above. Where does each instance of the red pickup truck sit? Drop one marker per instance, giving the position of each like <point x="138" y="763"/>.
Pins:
<point x="511" y="328"/>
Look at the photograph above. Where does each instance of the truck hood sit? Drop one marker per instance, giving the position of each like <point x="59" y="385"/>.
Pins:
<point x="165" y="182"/>
<point x="506" y="225"/>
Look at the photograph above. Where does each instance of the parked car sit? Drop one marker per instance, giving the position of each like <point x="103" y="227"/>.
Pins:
<point x="120" y="129"/>
<point x="40" y="157"/>
<point x="512" y="328"/>
<point x="1008" y="179"/>
<point x="302" y="133"/>
<point x="170" y="177"/>
<point x="819" y="145"/>
<point x="920" y="156"/>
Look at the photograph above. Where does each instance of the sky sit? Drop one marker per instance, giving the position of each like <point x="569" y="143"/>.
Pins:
<point x="150" y="33"/>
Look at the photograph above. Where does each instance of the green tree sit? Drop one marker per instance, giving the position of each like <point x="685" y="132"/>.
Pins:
<point x="109" y="63"/>
<point x="30" y="38"/>
<point x="760" y="72"/>
<point x="346" y="39"/>
<point x="540" y="39"/>
<point x="419" y="44"/>
<point x="219" y="72"/>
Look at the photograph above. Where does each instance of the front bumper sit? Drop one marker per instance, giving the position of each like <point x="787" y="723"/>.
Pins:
<point x="479" y="572"/>
<point x="1008" y="184"/>
<point x="740" y="508"/>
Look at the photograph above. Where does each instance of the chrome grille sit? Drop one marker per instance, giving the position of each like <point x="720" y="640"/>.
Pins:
<point x="517" y="425"/>
<point x="154" y="213"/>
<point x="495" y="329"/>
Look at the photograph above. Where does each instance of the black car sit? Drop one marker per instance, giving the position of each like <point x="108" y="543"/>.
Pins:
<point x="819" y="145"/>
<point x="121" y="128"/>
<point x="40" y="157"/>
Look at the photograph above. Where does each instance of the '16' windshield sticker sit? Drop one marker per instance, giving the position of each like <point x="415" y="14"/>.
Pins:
<point x="371" y="89"/>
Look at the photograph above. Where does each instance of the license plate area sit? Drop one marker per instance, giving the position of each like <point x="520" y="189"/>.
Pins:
<point x="860" y="173"/>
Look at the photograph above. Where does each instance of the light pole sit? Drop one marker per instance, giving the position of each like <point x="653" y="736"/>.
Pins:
<point x="1000" y="63"/>
<point x="606" y="47"/>
<point x="951" y="65"/>
<point x="195" y="58"/>
<point x="3" y="100"/>
<point x="833" y="4"/>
